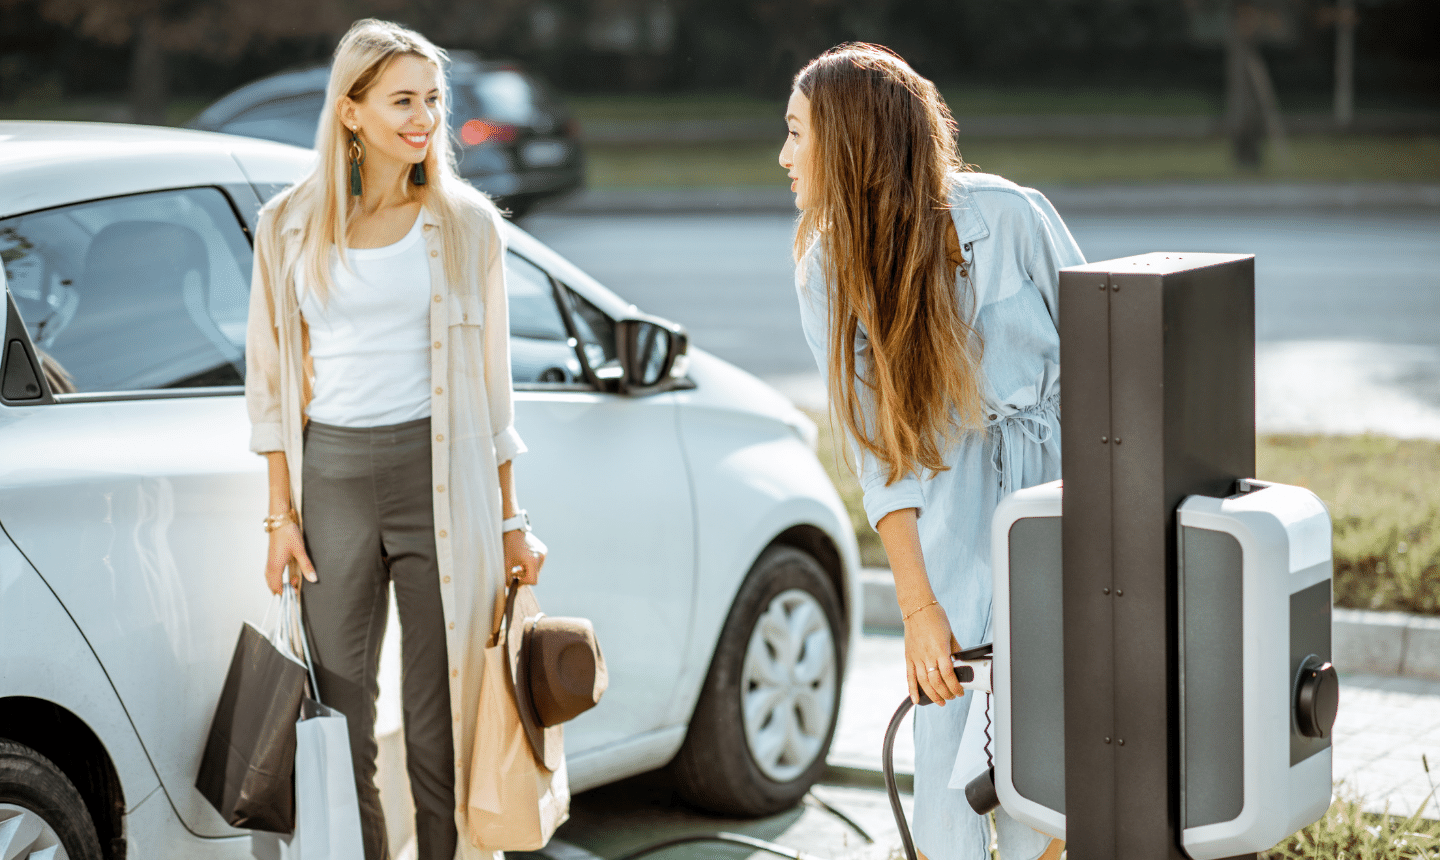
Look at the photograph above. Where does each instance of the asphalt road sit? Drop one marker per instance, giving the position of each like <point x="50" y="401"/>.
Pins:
<point x="1347" y="301"/>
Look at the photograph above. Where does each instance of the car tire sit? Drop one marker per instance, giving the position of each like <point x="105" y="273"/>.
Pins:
<point x="790" y="678"/>
<point x="32" y="787"/>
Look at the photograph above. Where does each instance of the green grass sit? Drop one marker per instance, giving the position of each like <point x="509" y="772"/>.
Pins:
<point x="670" y="108"/>
<point x="1346" y="832"/>
<point x="996" y="101"/>
<point x="1038" y="161"/>
<point x="1383" y="495"/>
<point x="963" y="101"/>
<point x="1384" y="498"/>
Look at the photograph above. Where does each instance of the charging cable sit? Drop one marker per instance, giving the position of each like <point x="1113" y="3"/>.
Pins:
<point x="973" y="669"/>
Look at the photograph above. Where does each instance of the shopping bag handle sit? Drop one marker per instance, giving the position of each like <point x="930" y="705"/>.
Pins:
<point x="504" y="607"/>
<point x="290" y="607"/>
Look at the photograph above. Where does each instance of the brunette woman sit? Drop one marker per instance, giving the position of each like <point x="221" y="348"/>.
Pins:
<point x="378" y="387"/>
<point x="928" y="295"/>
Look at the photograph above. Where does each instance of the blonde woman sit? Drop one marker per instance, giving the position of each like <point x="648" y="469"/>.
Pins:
<point x="928" y="295"/>
<point x="378" y="387"/>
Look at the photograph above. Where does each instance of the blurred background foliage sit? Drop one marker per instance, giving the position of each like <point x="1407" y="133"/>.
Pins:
<point x="151" y="52"/>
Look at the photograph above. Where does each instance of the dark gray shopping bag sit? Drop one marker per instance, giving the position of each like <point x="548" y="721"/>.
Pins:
<point x="249" y="761"/>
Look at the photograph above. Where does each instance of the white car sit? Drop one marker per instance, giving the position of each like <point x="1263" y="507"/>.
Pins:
<point x="684" y="507"/>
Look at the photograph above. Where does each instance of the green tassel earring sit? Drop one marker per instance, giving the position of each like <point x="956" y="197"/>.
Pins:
<point x="357" y="158"/>
<point x="417" y="173"/>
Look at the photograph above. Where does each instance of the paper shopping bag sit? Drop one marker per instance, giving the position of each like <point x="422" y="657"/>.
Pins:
<point x="245" y="771"/>
<point x="327" y="808"/>
<point x="514" y="802"/>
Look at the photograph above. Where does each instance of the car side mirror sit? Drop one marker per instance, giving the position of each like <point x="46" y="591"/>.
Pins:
<point x="652" y="354"/>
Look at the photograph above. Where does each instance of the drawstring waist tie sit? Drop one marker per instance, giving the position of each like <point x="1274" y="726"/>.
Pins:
<point x="1033" y="423"/>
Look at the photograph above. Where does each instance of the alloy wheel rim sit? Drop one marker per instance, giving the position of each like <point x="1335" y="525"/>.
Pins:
<point x="787" y="685"/>
<point x="25" y="835"/>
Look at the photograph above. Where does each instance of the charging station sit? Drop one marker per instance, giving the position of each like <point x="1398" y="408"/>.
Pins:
<point x="1162" y="676"/>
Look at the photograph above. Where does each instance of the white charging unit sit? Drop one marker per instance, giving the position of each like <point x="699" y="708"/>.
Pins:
<point x="1258" y="692"/>
<point x="1258" y="695"/>
<point x="1027" y="671"/>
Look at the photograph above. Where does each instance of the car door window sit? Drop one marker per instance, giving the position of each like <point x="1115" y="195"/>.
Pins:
<point x="597" y="334"/>
<point x="541" y="350"/>
<point x="291" y="120"/>
<point x="148" y="291"/>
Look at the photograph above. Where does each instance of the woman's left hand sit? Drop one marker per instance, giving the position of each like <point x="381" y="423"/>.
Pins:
<point x="524" y="556"/>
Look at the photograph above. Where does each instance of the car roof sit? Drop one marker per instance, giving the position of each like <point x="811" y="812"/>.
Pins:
<point x="47" y="164"/>
<point x="307" y="80"/>
<point x="295" y="82"/>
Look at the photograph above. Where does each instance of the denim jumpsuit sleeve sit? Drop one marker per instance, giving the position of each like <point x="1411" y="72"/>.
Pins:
<point x="1014" y="246"/>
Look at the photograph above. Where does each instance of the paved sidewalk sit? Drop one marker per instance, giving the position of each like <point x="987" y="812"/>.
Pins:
<point x="1384" y="727"/>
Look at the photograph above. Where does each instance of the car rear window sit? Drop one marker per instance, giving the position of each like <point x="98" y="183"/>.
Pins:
<point x="291" y="120"/>
<point x="294" y="119"/>
<point x="148" y="291"/>
<point x="505" y="96"/>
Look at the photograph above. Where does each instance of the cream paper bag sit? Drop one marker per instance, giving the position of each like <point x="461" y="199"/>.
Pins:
<point x="514" y="802"/>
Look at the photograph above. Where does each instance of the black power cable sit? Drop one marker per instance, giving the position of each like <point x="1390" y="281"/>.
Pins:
<point x="720" y="836"/>
<point x="854" y="825"/>
<point x="887" y="759"/>
<point x="887" y="763"/>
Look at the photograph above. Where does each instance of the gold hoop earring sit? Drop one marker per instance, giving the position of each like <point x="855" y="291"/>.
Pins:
<point x="357" y="158"/>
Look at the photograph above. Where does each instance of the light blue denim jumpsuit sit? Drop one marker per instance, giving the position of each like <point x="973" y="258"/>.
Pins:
<point x="1014" y="245"/>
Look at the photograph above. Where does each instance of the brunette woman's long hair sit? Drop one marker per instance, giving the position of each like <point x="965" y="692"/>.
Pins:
<point x="881" y="159"/>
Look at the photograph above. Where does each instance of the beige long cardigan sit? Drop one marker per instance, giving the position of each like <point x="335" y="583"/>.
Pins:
<point x="472" y="421"/>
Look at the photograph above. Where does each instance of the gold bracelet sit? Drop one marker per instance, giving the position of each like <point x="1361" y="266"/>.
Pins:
<point x="917" y="609"/>
<point x="274" y="522"/>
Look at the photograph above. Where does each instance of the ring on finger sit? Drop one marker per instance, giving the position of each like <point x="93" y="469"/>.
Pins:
<point x="519" y="568"/>
<point x="932" y="668"/>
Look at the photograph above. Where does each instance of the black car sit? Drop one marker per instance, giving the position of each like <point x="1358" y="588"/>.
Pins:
<point x="514" y="138"/>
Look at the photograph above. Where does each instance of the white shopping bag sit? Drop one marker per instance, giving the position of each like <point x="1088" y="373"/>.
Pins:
<point x="327" y="809"/>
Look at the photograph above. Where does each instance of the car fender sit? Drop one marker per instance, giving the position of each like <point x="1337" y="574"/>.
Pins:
<point x="47" y="658"/>
<point x="753" y="478"/>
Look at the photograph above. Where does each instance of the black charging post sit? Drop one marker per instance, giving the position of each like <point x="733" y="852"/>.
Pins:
<point x="1159" y="404"/>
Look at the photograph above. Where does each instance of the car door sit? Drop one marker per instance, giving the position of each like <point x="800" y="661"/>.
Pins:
<point x="606" y="487"/>
<point x="134" y="493"/>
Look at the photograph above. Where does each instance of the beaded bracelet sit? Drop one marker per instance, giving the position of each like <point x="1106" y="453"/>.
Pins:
<point x="917" y="609"/>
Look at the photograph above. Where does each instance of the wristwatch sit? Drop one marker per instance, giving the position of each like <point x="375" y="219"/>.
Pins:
<point x="519" y="522"/>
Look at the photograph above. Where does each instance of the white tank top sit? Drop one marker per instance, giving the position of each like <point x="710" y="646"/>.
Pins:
<point x="370" y="340"/>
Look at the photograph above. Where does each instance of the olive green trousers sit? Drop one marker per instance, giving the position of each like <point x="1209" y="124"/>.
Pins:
<point x="370" y="524"/>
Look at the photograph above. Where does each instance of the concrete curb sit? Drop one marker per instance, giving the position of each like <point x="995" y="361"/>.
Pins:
<point x="1155" y="197"/>
<point x="1380" y="643"/>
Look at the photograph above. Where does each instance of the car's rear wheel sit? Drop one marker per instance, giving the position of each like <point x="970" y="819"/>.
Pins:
<point x="41" y="812"/>
<point x="767" y="712"/>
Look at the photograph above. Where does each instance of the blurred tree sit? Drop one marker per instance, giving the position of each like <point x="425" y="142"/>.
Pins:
<point x="1252" y="108"/>
<point x="155" y="29"/>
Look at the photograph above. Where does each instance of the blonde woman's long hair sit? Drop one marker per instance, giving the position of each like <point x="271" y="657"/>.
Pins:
<point x="881" y="159"/>
<point x="322" y="199"/>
